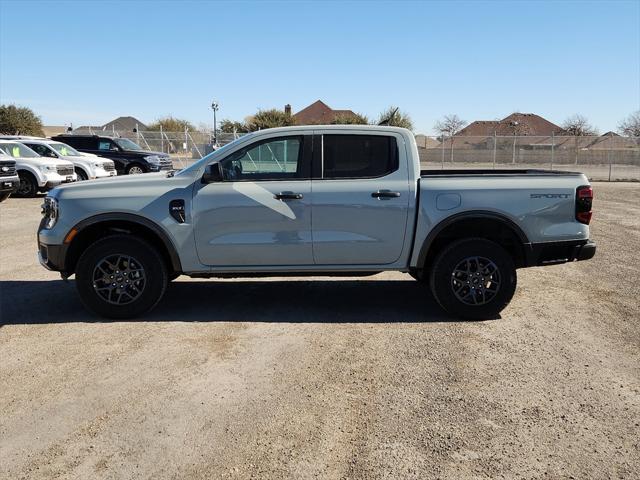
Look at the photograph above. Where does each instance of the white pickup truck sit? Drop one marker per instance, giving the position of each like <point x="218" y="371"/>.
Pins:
<point x="315" y="200"/>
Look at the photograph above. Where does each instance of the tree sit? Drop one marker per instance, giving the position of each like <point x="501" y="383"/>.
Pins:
<point x="348" y="119"/>
<point x="231" y="126"/>
<point x="171" y="124"/>
<point x="449" y="126"/>
<point x="393" y="117"/>
<point x="577" y="125"/>
<point x="269" y="119"/>
<point x="19" y="121"/>
<point x="630" y="126"/>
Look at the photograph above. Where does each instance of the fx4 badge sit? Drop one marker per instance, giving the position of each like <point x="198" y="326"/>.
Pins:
<point x="550" y="195"/>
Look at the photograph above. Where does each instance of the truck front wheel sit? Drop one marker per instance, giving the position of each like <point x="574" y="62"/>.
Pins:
<point x="28" y="185"/>
<point x="121" y="276"/>
<point x="473" y="278"/>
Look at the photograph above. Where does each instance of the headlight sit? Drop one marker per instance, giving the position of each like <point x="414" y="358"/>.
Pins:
<point x="98" y="165"/>
<point x="152" y="159"/>
<point x="50" y="212"/>
<point x="47" y="168"/>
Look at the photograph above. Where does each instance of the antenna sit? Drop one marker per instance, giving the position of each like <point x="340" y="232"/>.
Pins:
<point x="385" y="121"/>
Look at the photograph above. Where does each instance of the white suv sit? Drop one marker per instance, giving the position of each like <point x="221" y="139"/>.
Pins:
<point x="87" y="167"/>
<point x="37" y="173"/>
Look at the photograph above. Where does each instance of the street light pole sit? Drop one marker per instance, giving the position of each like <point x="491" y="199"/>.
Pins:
<point x="214" y="107"/>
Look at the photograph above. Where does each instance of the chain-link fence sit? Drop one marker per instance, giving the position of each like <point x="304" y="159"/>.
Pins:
<point x="606" y="157"/>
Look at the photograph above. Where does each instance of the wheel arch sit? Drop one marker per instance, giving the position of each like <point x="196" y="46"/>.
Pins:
<point x="484" y="224"/>
<point x="98" y="226"/>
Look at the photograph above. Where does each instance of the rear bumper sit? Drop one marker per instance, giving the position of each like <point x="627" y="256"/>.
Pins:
<point x="552" y="253"/>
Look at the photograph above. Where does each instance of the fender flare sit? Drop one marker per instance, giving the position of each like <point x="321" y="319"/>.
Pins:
<point x="472" y="215"/>
<point x="140" y="220"/>
<point x="40" y="180"/>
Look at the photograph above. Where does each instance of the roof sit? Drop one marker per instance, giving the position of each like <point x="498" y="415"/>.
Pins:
<point x="51" y="130"/>
<point x="516" y="123"/>
<point x="319" y="113"/>
<point x="124" y="123"/>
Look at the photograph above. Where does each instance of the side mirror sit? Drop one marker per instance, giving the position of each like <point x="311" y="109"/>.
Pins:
<point x="212" y="173"/>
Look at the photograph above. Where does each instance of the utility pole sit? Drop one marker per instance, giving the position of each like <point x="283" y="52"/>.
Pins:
<point x="214" y="107"/>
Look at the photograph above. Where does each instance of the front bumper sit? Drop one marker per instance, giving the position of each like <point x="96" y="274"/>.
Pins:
<point x="52" y="257"/>
<point x="552" y="253"/>
<point x="100" y="173"/>
<point x="9" y="184"/>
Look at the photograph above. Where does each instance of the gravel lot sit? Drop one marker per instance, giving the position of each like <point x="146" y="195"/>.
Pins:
<point x="351" y="378"/>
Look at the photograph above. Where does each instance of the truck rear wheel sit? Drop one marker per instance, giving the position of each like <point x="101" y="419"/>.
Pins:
<point x="473" y="279"/>
<point x="121" y="276"/>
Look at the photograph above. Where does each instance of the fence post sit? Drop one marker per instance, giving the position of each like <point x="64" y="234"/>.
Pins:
<point x="513" y="154"/>
<point x="442" y="141"/>
<point x="495" y="147"/>
<point x="553" y="147"/>
<point x="609" y="156"/>
<point x="161" y="140"/>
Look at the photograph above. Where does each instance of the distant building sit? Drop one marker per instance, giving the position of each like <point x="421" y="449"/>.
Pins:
<point x="514" y="124"/>
<point x="318" y="113"/>
<point x="123" y="124"/>
<point x="52" y="130"/>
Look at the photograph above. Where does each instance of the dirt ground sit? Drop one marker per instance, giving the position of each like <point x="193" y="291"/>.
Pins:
<point x="350" y="378"/>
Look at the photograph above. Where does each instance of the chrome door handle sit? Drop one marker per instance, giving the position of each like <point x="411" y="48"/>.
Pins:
<point x="385" y="194"/>
<point x="287" y="196"/>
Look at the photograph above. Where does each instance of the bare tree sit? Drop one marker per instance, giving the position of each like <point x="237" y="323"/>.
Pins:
<point x="449" y="126"/>
<point x="578" y="126"/>
<point x="630" y="126"/>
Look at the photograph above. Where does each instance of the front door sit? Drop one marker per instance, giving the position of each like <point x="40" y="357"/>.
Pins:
<point x="361" y="200"/>
<point x="260" y="214"/>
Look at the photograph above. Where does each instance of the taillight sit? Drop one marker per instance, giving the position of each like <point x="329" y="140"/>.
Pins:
<point x="584" y="200"/>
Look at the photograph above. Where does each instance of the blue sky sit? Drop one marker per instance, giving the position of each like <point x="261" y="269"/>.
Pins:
<point x="88" y="62"/>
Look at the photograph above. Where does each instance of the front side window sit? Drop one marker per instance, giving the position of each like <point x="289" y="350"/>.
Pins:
<point x="127" y="144"/>
<point x="359" y="156"/>
<point x="273" y="159"/>
<point x="41" y="150"/>
<point x="107" y="145"/>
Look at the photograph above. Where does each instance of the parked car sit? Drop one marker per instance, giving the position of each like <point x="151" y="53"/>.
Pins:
<point x="36" y="173"/>
<point x="329" y="200"/>
<point x="129" y="157"/>
<point x="86" y="167"/>
<point x="9" y="179"/>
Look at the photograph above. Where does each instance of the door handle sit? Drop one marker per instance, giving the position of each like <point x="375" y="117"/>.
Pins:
<point x="385" y="194"/>
<point x="287" y="196"/>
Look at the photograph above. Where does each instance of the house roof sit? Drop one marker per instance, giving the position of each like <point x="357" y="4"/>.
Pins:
<point x="124" y="123"/>
<point x="516" y="123"/>
<point x="319" y="113"/>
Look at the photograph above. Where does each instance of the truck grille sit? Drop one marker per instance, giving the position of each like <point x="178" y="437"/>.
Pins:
<point x="7" y="169"/>
<point x="166" y="163"/>
<point x="109" y="167"/>
<point x="63" y="170"/>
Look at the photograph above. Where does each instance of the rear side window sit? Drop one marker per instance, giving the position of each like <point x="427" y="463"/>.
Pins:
<point x="359" y="156"/>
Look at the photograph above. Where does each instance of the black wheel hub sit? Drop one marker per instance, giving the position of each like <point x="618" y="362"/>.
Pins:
<point x="475" y="281"/>
<point x="119" y="279"/>
<point x="25" y="187"/>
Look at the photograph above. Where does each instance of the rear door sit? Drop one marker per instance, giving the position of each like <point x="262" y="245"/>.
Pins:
<point x="360" y="198"/>
<point x="260" y="214"/>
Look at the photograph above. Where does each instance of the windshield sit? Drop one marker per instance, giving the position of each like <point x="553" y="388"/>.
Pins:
<point x="64" y="149"/>
<point x="127" y="144"/>
<point x="206" y="158"/>
<point x="17" y="150"/>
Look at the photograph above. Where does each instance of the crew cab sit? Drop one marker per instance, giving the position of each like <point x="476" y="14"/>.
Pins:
<point x="9" y="179"/>
<point x="86" y="167"/>
<point x="315" y="200"/>
<point x="36" y="173"/>
<point x="129" y="157"/>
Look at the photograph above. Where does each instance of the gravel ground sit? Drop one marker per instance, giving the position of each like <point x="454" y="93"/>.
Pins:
<point x="350" y="378"/>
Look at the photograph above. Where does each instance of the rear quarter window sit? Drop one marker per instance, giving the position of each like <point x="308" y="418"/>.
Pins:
<point x="359" y="156"/>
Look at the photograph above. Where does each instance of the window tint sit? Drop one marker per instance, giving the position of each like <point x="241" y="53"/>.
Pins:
<point x="273" y="159"/>
<point x="40" y="149"/>
<point x="359" y="156"/>
<point x="106" y="145"/>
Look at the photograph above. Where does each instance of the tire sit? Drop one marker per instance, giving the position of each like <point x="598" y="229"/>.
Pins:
<point x="420" y="276"/>
<point x="107" y="256"/>
<point x="28" y="187"/>
<point x="81" y="175"/>
<point x="135" y="169"/>
<point x="473" y="279"/>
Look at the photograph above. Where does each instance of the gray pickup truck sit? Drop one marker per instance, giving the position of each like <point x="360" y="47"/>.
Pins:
<point x="315" y="200"/>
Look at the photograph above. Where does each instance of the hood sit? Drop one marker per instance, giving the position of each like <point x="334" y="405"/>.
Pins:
<point x="92" y="158"/>
<point x="44" y="161"/>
